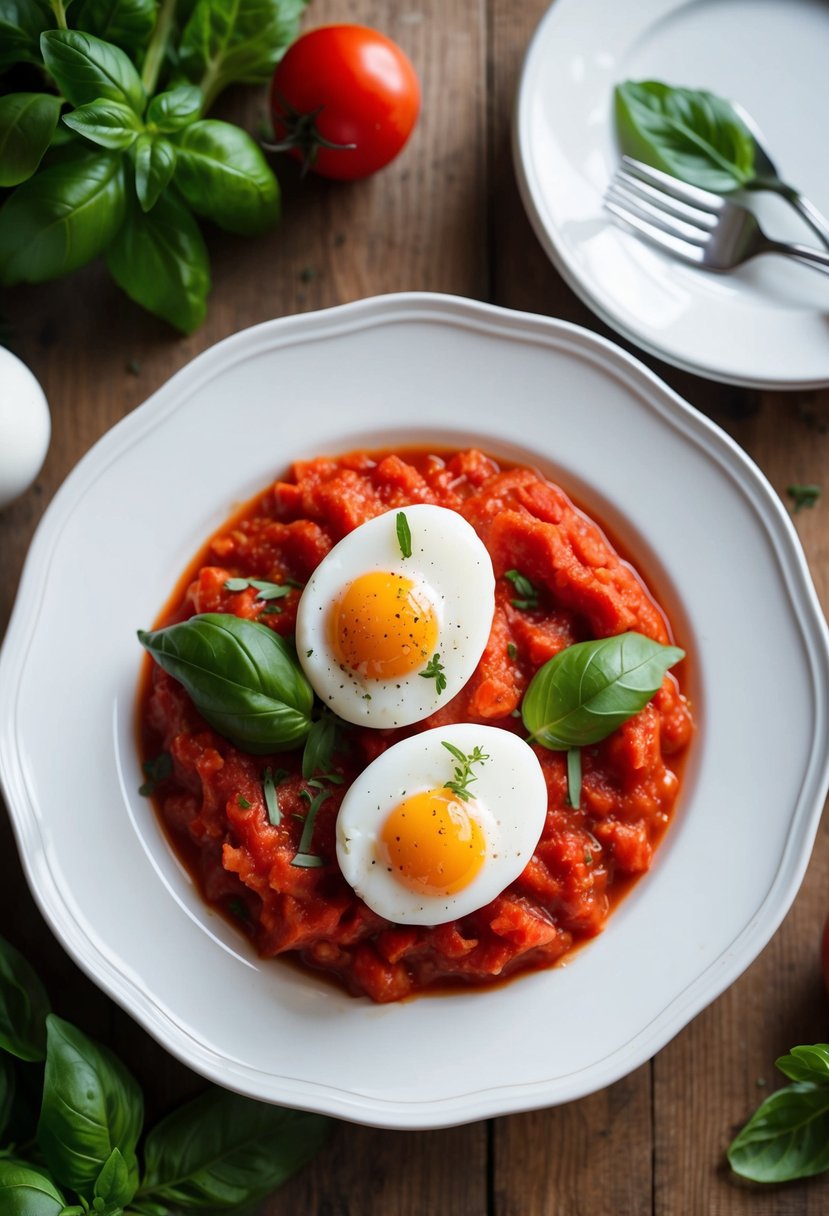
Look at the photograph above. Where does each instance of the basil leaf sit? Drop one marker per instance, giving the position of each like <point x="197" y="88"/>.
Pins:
<point x="689" y="133"/>
<point x="110" y="124"/>
<point x="91" y="1105"/>
<point x="7" y="1091"/>
<point x="25" y="1191"/>
<point x="787" y="1137"/>
<point x="228" y="41"/>
<point x="160" y="261"/>
<point x="86" y="68"/>
<point x="807" y="1064"/>
<point x="27" y="124"/>
<point x="588" y="690"/>
<point x="115" y="1184"/>
<point x="175" y="109"/>
<point x="127" y="23"/>
<point x="224" y="176"/>
<point x="24" y="1006"/>
<point x="222" y="1150"/>
<point x="242" y="677"/>
<point x="155" y="162"/>
<point x="21" y="24"/>
<point x="61" y="218"/>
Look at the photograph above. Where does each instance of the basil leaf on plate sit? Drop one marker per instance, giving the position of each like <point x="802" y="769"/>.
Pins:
<point x="91" y="1105"/>
<point x="222" y="1150"/>
<point x="160" y="260"/>
<point x="787" y="1137"/>
<point x="27" y="124"/>
<point x="155" y="162"/>
<point x="24" y="1006"/>
<point x="689" y="133"/>
<point x="63" y="217"/>
<point x="27" y="1191"/>
<point x="127" y="23"/>
<point x="224" y="177"/>
<point x="111" y="124"/>
<point x="86" y="68"/>
<point x="589" y="689"/>
<point x="242" y="677"/>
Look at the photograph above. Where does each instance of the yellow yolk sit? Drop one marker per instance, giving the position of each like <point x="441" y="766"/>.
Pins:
<point x="433" y="844"/>
<point x="382" y="627"/>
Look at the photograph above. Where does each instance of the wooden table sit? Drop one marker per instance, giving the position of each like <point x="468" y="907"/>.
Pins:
<point x="445" y="217"/>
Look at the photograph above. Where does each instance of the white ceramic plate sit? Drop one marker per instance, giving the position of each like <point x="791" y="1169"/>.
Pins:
<point x="677" y="492"/>
<point x="765" y="325"/>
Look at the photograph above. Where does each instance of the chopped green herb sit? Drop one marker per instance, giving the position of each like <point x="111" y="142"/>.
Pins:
<point x="308" y="653"/>
<point x="271" y="798"/>
<point x="434" y="670"/>
<point x="307" y="861"/>
<point x="264" y="589"/>
<point x="588" y="857"/>
<point x="574" y="777"/>
<point x="404" y="535"/>
<point x="272" y="609"/>
<point x="304" y="855"/>
<point x="803" y="496"/>
<point x="526" y="591"/>
<point x="463" y="775"/>
<point x="243" y="803"/>
<point x="512" y="650"/>
<point x="156" y="770"/>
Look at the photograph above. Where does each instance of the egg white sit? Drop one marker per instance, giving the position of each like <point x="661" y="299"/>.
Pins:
<point x="510" y="804"/>
<point x="449" y="565"/>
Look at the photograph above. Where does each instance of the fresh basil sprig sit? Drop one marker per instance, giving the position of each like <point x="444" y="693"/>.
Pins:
<point x="589" y="689"/>
<point x="788" y="1135"/>
<point x="242" y="677"/>
<point x="134" y="160"/>
<point x="689" y="133"/>
<point x="220" y="1152"/>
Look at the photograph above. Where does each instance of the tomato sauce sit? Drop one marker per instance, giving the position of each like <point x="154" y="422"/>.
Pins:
<point x="213" y="804"/>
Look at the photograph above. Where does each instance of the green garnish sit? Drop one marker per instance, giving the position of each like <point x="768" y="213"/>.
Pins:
<point x="304" y="857"/>
<point x="803" y="496"/>
<point x="574" y="777"/>
<point x="512" y="650"/>
<point x="243" y="803"/>
<point x="271" y="797"/>
<point x="463" y="776"/>
<point x="404" y="536"/>
<point x="264" y="590"/>
<point x="434" y="670"/>
<point x="527" y="593"/>
<point x="156" y="770"/>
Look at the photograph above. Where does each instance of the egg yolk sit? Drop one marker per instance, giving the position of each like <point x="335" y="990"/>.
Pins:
<point x="433" y="844"/>
<point x="383" y="626"/>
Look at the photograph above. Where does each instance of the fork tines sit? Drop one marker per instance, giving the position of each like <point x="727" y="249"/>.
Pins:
<point x="667" y="211"/>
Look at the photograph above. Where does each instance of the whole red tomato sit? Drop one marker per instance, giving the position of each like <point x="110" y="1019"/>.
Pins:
<point x="344" y="100"/>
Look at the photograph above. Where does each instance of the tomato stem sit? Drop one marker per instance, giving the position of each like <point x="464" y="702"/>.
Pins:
<point x="301" y="132"/>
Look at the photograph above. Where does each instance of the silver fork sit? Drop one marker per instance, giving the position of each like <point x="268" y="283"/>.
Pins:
<point x="693" y="224"/>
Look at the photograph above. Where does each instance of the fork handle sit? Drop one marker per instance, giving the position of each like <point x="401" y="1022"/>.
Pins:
<point x="805" y="208"/>
<point x="803" y="253"/>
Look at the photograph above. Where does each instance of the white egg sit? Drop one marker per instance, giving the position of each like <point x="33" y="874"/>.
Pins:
<point x="386" y="639"/>
<point x="25" y="427"/>
<point x="415" y="852"/>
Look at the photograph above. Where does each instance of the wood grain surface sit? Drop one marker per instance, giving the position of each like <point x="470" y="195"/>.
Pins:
<point x="446" y="216"/>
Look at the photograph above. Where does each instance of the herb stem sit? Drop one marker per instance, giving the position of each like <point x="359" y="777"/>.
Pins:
<point x="59" y="12"/>
<point x="158" y="46"/>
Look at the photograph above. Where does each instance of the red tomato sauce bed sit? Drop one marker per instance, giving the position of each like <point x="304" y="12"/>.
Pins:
<point x="213" y="803"/>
